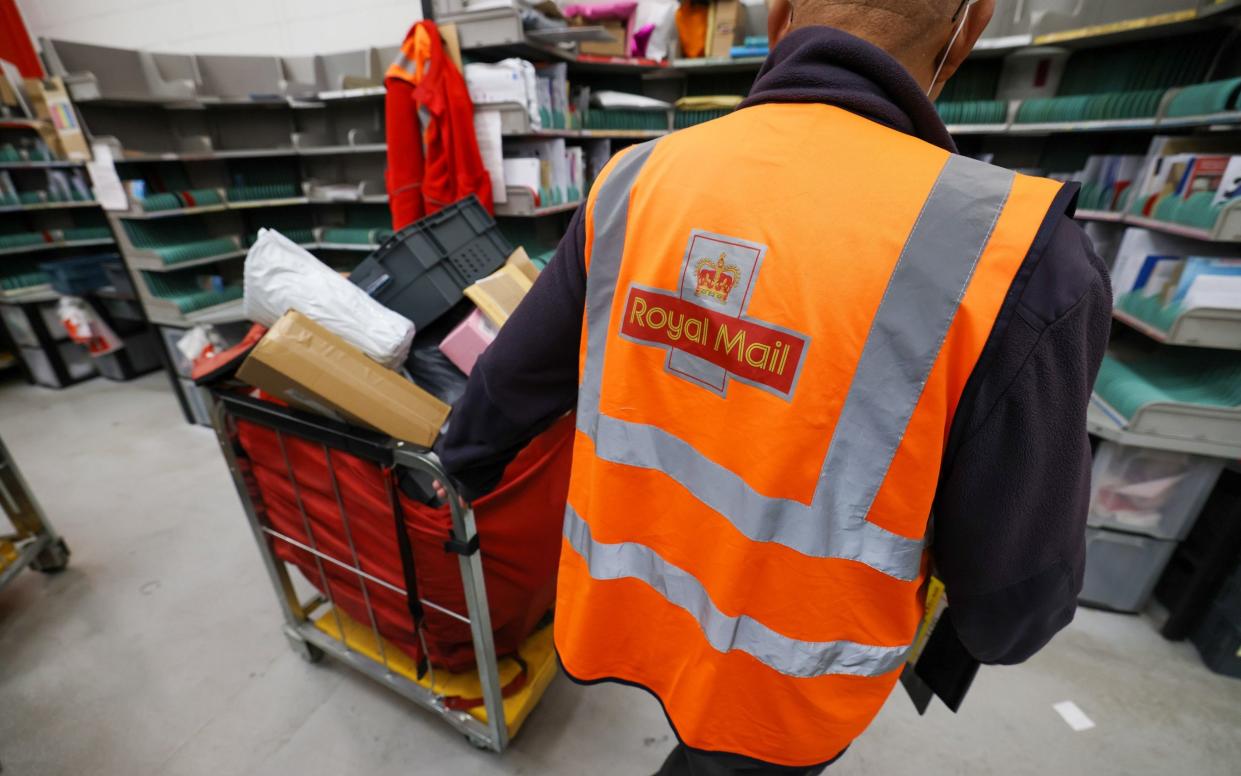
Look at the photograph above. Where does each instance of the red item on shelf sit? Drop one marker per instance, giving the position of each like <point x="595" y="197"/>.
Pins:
<point x="436" y="164"/>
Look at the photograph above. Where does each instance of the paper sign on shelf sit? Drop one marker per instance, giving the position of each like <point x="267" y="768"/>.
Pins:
<point x="109" y="191"/>
<point x="491" y="149"/>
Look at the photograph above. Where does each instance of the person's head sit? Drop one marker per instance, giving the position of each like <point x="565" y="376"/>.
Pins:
<point x="925" y="36"/>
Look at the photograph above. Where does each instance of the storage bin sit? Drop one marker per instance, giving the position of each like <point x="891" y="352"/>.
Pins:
<point x="1153" y="492"/>
<point x="1122" y="568"/>
<point x="180" y="363"/>
<point x="199" y="400"/>
<point x="1218" y="640"/>
<point x="78" y="364"/>
<point x="19" y="326"/>
<point x="422" y="270"/>
<point x="121" y="311"/>
<point x="78" y="275"/>
<point x="1228" y="600"/>
<point x="139" y="356"/>
<point x="119" y="279"/>
<point x="50" y="313"/>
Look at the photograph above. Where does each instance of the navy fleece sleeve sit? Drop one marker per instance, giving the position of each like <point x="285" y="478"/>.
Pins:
<point x="527" y="378"/>
<point x="1009" y="537"/>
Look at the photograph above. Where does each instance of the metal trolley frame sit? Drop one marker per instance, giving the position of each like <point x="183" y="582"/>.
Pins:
<point x="38" y="544"/>
<point x="310" y="641"/>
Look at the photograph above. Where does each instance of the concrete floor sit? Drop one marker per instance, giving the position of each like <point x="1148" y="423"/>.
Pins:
<point x="158" y="651"/>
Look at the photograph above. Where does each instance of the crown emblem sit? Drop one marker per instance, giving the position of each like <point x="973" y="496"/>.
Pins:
<point x="716" y="279"/>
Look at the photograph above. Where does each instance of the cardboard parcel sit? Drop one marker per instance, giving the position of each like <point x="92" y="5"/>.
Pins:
<point x="308" y="366"/>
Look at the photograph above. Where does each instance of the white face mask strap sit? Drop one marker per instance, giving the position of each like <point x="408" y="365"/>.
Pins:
<point x="948" y="50"/>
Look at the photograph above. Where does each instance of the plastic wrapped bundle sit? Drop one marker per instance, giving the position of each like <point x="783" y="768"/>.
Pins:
<point x="280" y="276"/>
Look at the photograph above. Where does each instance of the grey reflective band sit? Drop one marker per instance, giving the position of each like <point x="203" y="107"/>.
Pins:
<point x="404" y="63"/>
<point x="726" y="633"/>
<point x="760" y="518"/>
<point x="919" y="305"/>
<point x="908" y="331"/>
<point x="611" y="212"/>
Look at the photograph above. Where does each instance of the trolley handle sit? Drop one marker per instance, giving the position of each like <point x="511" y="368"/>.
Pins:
<point x="464" y="534"/>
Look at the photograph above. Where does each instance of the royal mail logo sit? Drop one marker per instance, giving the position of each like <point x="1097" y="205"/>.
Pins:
<point x="703" y="326"/>
<point x="716" y="279"/>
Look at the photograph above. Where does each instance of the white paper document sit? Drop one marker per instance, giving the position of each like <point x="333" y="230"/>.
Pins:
<point x="109" y="191"/>
<point x="608" y="99"/>
<point x="525" y="173"/>
<point x="491" y="149"/>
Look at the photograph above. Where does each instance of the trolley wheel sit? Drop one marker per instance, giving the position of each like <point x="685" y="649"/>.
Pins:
<point x="478" y="743"/>
<point x="52" y="559"/>
<point x="307" y="651"/>
<point x="310" y="653"/>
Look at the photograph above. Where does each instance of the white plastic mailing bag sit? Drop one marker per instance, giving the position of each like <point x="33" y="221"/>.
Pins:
<point x="283" y="276"/>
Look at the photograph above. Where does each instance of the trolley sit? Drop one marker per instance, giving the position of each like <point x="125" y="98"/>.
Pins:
<point x="34" y="543"/>
<point x="316" y="625"/>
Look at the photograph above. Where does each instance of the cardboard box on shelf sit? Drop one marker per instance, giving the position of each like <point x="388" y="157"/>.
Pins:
<point x="51" y="102"/>
<point x="11" y="90"/>
<point x="723" y="27"/>
<point x="308" y="366"/>
<point x="612" y="48"/>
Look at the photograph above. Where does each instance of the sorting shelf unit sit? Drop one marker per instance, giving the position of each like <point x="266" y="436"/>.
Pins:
<point x="55" y="245"/>
<point x="214" y="148"/>
<point x="1152" y="430"/>
<point x="48" y="213"/>
<point x="1199" y="327"/>
<point x="38" y="165"/>
<point x="1227" y="229"/>
<point x="521" y="204"/>
<point x="48" y="206"/>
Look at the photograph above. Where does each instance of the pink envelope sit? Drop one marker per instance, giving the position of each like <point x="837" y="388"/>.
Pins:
<point x="466" y="343"/>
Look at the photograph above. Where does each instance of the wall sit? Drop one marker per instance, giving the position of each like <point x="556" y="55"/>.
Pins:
<point x="280" y="27"/>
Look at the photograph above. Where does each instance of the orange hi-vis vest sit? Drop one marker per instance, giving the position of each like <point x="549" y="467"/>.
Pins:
<point x="783" y="307"/>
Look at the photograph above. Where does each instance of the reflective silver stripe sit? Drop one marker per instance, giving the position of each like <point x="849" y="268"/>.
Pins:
<point x="917" y="309"/>
<point x="761" y="518"/>
<point x="611" y="212"/>
<point x="403" y="62"/>
<point x="726" y="633"/>
<point x="908" y="331"/>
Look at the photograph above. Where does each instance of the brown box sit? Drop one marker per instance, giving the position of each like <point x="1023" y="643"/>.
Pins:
<point x="598" y="48"/>
<point x="723" y="32"/>
<point x="50" y="102"/>
<point x="308" y="366"/>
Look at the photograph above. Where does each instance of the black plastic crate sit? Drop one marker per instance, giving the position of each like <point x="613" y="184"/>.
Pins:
<point x="78" y="275"/>
<point x="121" y="313"/>
<point x="1218" y="640"/>
<point x="1228" y="600"/>
<point x="1204" y="560"/>
<point x="422" y="270"/>
<point x="139" y="356"/>
<point x="118" y="278"/>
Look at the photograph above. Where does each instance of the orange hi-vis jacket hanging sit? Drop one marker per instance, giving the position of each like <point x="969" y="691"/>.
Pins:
<point x="433" y="157"/>
<point x="776" y="337"/>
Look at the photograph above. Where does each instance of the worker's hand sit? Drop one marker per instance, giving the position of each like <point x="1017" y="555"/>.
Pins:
<point x="442" y="493"/>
